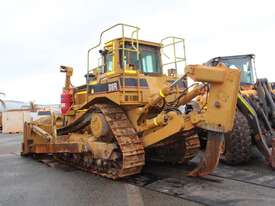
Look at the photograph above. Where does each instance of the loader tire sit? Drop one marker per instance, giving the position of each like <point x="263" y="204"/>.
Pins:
<point x="238" y="143"/>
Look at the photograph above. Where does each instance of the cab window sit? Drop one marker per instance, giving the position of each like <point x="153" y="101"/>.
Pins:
<point x="108" y="63"/>
<point x="148" y="59"/>
<point x="245" y="65"/>
<point x="149" y="62"/>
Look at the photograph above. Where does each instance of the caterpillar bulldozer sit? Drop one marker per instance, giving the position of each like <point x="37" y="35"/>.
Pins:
<point x="255" y="118"/>
<point x="127" y="110"/>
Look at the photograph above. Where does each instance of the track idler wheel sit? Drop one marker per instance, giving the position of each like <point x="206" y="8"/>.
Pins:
<point x="211" y="157"/>
<point x="99" y="127"/>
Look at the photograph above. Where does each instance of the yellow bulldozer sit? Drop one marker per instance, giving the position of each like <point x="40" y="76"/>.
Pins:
<point x="128" y="110"/>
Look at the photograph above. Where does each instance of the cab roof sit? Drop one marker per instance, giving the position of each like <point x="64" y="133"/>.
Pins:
<point x="143" y="42"/>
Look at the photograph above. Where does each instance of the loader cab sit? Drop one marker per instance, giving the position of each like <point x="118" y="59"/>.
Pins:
<point x="243" y="62"/>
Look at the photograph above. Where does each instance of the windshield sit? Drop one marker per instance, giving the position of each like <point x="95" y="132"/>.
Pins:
<point x="243" y="63"/>
<point x="148" y="59"/>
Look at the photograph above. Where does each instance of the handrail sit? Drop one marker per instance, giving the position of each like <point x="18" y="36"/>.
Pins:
<point x="101" y="35"/>
<point x="136" y="29"/>
<point x="176" y="59"/>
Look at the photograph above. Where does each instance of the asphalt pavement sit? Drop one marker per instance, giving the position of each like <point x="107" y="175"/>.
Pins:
<point x="26" y="182"/>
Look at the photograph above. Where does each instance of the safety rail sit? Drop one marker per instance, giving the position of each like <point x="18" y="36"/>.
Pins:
<point x="173" y="42"/>
<point x="134" y="45"/>
<point x="133" y="41"/>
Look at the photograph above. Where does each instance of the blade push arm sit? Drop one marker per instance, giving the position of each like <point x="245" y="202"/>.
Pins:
<point x="223" y="86"/>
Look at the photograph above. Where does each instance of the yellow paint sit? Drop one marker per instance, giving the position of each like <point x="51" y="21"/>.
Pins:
<point x="109" y="73"/>
<point x="130" y="71"/>
<point x="251" y="110"/>
<point x="175" y="124"/>
<point x="156" y="122"/>
<point x="93" y="82"/>
<point x="82" y="110"/>
<point x="82" y="92"/>
<point x="161" y="93"/>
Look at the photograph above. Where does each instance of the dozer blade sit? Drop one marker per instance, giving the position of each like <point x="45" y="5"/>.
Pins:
<point x="210" y="159"/>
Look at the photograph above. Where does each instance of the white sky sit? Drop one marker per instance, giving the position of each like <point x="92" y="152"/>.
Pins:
<point x="38" y="36"/>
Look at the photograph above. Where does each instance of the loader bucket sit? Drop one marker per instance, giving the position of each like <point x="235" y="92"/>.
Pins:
<point x="210" y="159"/>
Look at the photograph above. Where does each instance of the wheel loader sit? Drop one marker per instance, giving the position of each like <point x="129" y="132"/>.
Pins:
<point x="127" y="112"/>
<point x="255" y="118"/>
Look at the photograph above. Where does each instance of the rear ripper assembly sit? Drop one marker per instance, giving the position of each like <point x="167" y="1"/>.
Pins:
<point x="256" y="102"/>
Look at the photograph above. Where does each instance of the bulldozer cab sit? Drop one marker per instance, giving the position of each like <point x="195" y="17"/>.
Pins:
<point x="130" y="67"/>
<point x="246" y="63"/>
<point x="129" y="55"/>
<point x="120" y="55"/>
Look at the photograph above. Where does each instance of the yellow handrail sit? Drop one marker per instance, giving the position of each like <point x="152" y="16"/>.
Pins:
<point x="176" y="59"/>
<point x="136" y="48"/>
